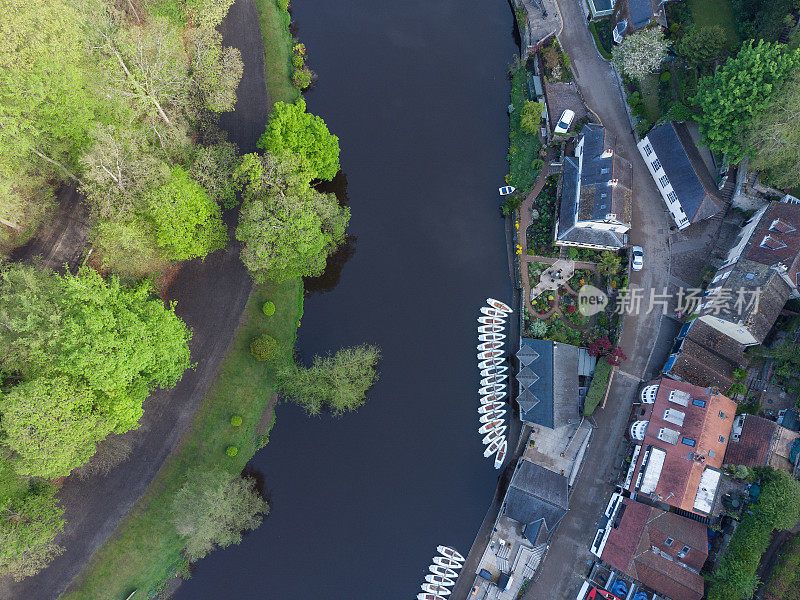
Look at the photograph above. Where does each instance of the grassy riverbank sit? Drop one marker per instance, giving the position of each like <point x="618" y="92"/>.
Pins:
<point x="145" y="550"/>
<point x="278" y="42"/>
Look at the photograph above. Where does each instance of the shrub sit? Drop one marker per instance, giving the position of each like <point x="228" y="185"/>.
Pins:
<point x="263" y="347"/>
<point x="268" y="308"/>
<point x="283" y="4"/>
<point x="737" y="388"/>
<point x="597" y="388"/>
<point x="739" y="374"/>
<point x="665" y="76"/>
<point x="236" y="420"/>
<point x="232" y="451"/>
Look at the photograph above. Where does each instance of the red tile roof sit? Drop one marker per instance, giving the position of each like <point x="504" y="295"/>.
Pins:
<point x="755" y="442"/>
<point x="707" y="426"/>
<point x="637" y="547"/>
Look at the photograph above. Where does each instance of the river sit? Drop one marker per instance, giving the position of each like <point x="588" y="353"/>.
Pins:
<point x="416" y="92"/>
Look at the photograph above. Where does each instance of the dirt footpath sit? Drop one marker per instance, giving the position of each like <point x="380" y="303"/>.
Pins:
<point x="211" y="296"/>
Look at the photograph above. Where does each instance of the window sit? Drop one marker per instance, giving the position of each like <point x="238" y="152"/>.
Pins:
<point x="669" y="541"/>
<point x="750" y="276"/>
<point x="688" y="441"/>
<point x="722" y="439"/>
<point x="711" y="454"/>
<point x="672" y="197"/>
<point x="684" y="551"/>
<point x="663" y="180"/>
<point x="698" y="402"/>
<point x="648" y="149"/>
<point x="656" y="165"/>
<point x="722" y="414"/>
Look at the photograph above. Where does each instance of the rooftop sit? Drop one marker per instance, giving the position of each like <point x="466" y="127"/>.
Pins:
<point x="707" y="357"/>
<point x="536" y="493"/>
<point x="663" y="550"/>
<point x="679" y="464"/>
<point x="750" y="446"/>
<point x="688" y="174"/>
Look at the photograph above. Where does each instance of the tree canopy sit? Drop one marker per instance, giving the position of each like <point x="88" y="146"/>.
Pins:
<point x="291" y="129"/>
<point x="288" y="228"/>
<point x="702" y="44"/>
<point x="730" y="100"/>
<point x="339" y="382"/>
<point x="213" y="508"/>
<point x="640" y="54"/>
<point x="88" y="333"/>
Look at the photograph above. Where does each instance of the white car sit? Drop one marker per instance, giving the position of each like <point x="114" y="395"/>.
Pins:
<point x="564" y="122"/>
<point x="507" y="189"/>
<point x="637" y="258"/>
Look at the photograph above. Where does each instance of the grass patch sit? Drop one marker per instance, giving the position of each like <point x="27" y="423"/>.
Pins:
<point x="523" y="147"/>
<point x="597" y="388"/>
<point x="649" y="87"/>
<point x="146" y="550"/>
<point x="706" y="13"/>
<point x="601" y="32"/>
<point x="277" y="42"/>
<point x="784" y="582"/>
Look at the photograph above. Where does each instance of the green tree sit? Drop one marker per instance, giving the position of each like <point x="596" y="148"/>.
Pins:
<point x="119" y="342"/>
<point x="339" y="382"/>
<point x="28" y="528"/>
<point x="609" y="264"/>
<point x="214" y="168"/>
<point x="701" y="45"/>
<point x="291" y="129"/>
<point x="775" y="137"/>
<point x="213" y="508"/>
<point x="217" y="70"/>
<point x="288" y="228"/>
<point x="641" y="53"/>
<point x="730" y="99"/>
<point x="185" y="220"/>
<point x="531" y="117"/>
<point x="51" y="425"/>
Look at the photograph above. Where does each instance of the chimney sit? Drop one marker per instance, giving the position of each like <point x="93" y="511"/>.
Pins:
<point x="607" y="153"/>
<point x="613" y="182"/>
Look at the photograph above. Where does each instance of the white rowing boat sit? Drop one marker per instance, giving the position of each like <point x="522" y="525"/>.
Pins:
<point x="490" y="345"/>
<point x="444" y="571"/>
<point x="492" y="312"/>
<point x="439" y="580"/>
<point x="490" y="406"/>
<point x="494" y="434"/>
<point x="501" y="454"/>
<point x="492" y="379"/>
<point x="492" y="389"/>
<point x="491" y="329"/>
<point x="491" y="320"/>
<point x="446" y="562"/>
<point x="494" y="446"/>
<point x="498" y="305"/>
<point x="449" y="552"/>
<point x="493" y="397"/>
<point x="497" y="413"/>
<point x="433" y="588"/>
<point x="487" y="427"/>
<point x="429" y="597"/>
<point x="491" y="337"/>
<point x="491" y="363"/>
<point x="490" y="354"/>
<point x="494" y="370"/>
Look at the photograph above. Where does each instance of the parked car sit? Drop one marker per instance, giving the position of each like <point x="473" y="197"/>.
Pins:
<point x="564" y="122"/>
<point x="637" y="258"/>
<point x="507" y="189"/>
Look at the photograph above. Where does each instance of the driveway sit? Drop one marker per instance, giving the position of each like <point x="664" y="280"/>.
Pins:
<point x="568" y="557"/>
<point x="211" y="296"/>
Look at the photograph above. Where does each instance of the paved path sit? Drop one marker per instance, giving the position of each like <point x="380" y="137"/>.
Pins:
<point x="211" y="296"/>
<point x="568" y="556"/>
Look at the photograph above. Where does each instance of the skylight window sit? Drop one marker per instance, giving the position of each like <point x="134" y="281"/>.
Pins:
<point x="772" y="243"/>
<point x="688" y="442"/>
<point x="781" y="226"/>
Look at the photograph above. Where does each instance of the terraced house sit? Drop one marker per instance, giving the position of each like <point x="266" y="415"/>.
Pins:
<point x="681" y="433"/>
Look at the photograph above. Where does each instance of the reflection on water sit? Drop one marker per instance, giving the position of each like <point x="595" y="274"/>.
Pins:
<point x="329" y="279"/>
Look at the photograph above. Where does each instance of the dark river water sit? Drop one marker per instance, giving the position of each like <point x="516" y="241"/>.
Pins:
<point x="416" y="92"/>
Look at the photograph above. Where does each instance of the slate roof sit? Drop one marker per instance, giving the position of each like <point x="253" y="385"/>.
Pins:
<point x="536" y="493"/>
<point x="707" y="358"/>
<point x="601" y="5"/>
<point x="755" y="442"/>
<point x="696" y="190"/>
<point x="641" y="13"/>
<point x="636" y="547"/>
<point x="586" y="195"/>
<point x="707" y="426"/>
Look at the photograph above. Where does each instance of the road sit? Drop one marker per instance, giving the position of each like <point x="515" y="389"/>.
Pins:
<point x="568" y="557"/>
<point x="210" y="297"/>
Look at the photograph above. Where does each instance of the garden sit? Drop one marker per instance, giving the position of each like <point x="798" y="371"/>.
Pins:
<point x="540" y="234"/>
<point x="556" y="62"/>
<point x="523" y="159"/>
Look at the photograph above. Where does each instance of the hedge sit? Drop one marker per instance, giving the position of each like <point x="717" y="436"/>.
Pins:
<point x="597" y="388"/>
<point x="600" y="48"/>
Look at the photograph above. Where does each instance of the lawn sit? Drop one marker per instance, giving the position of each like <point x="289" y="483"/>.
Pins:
<point x="784" y="582"/>
<point x="145" y="550"/>
<point x="716" y="12"/>
<point x="277" y="42"/>
<point x="523" y="147"/>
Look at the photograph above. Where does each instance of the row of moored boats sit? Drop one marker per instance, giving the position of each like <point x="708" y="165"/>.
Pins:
<point x="491" y="335"/>
<point x="443" y="574"/>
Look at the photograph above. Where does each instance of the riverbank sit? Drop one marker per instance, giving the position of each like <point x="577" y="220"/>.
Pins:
<point x="145" y="551"/>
